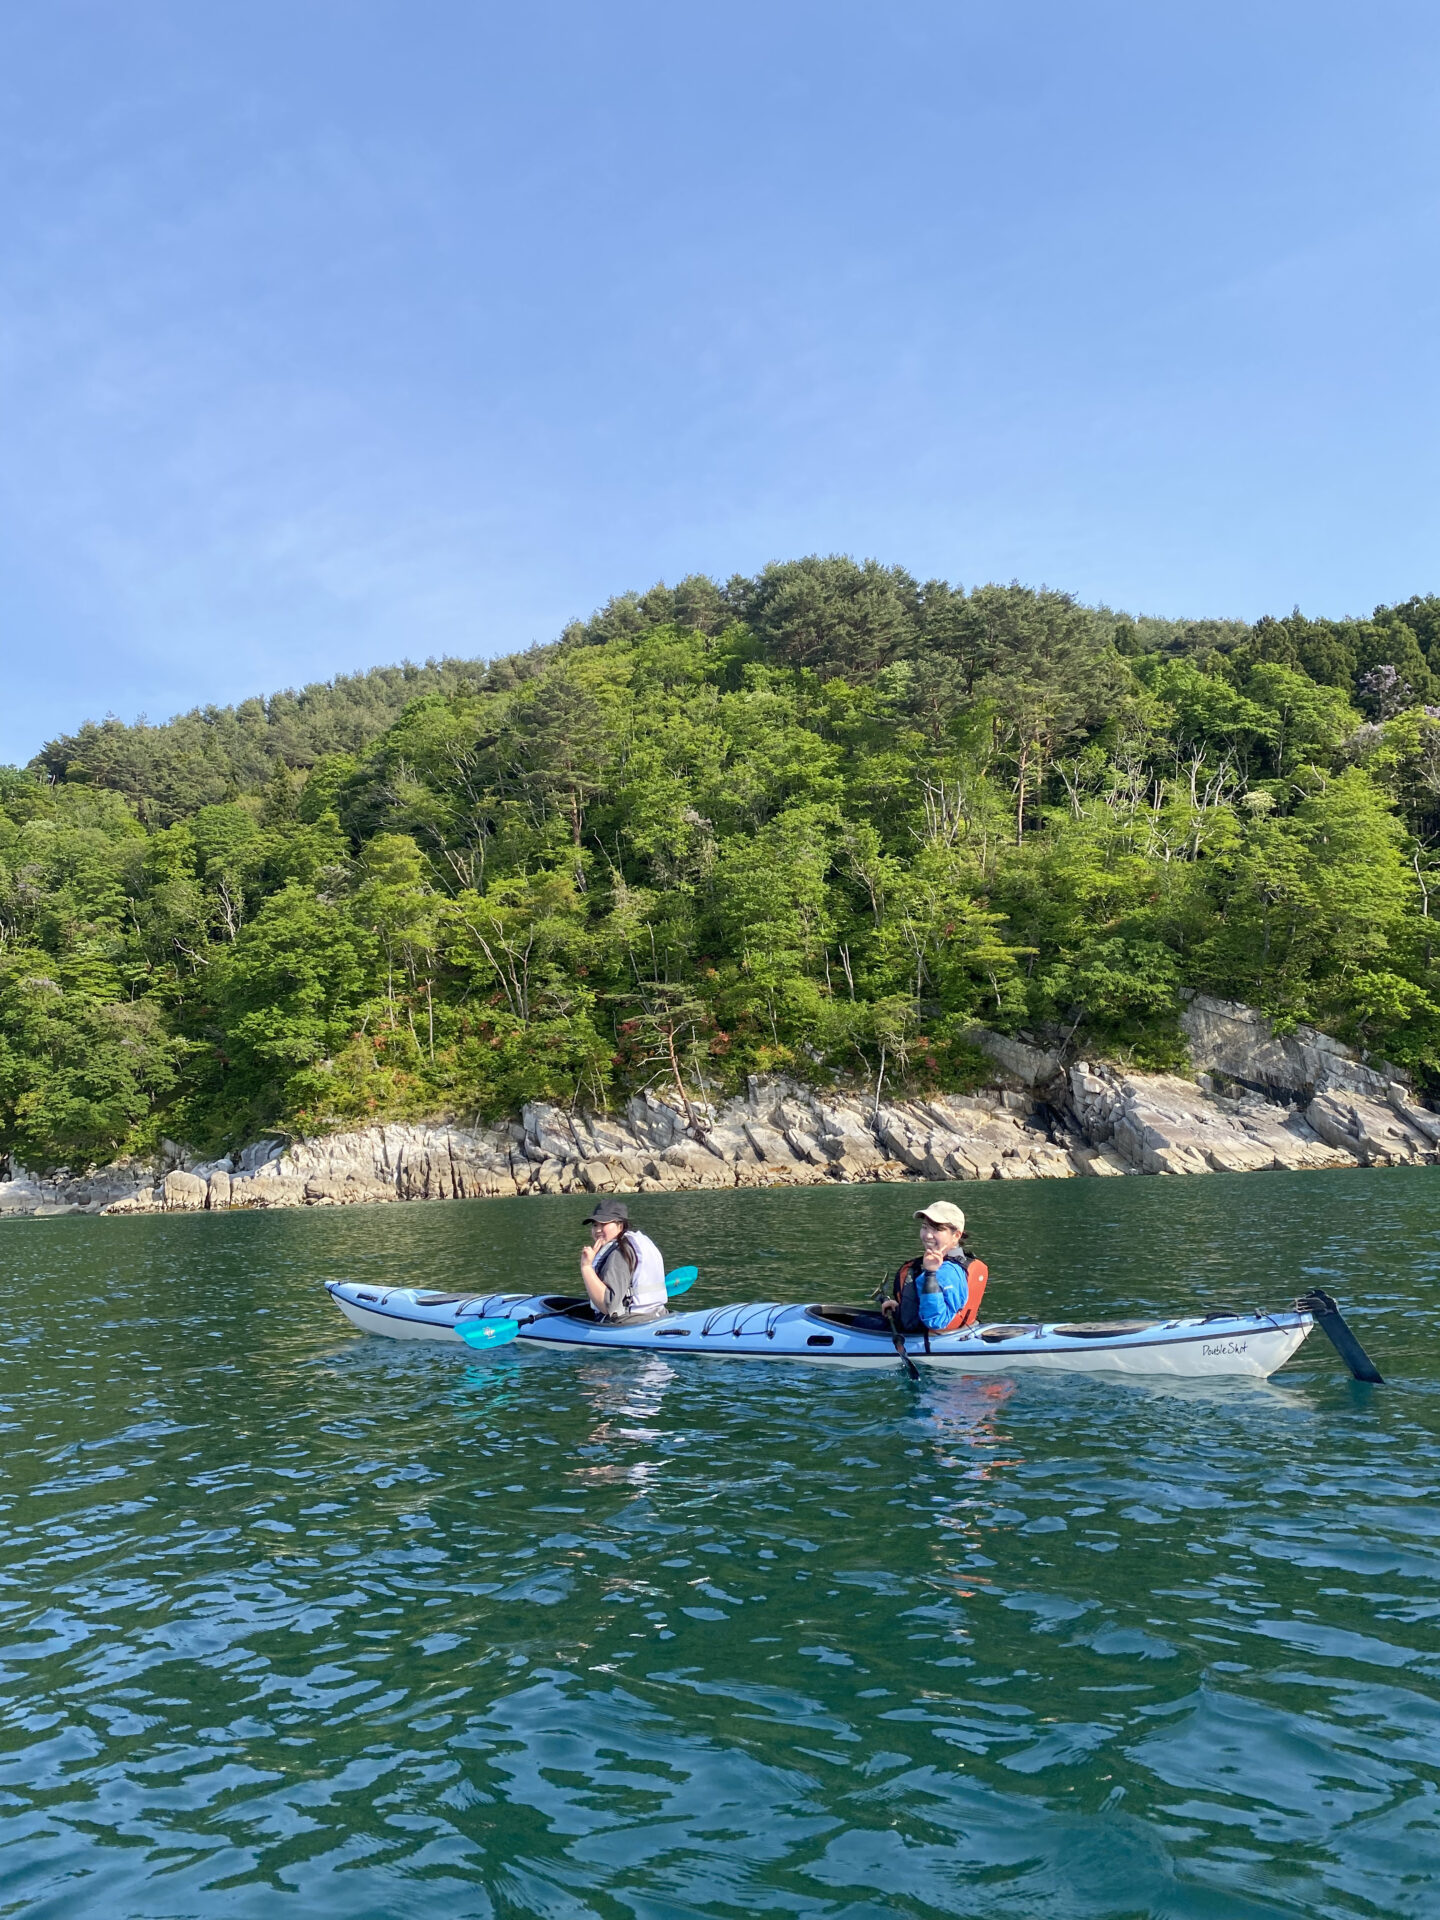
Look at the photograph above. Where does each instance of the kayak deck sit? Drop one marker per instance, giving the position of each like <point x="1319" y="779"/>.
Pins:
<point x="1248" y="1344"/>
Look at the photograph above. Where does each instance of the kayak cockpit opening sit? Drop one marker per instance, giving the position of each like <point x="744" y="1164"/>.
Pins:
<point x="857" y="1319"/>
<point x="576" y="1308"/>
<point x="1102" y="1329"/>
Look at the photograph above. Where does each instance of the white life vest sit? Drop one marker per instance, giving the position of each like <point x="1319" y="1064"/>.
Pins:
<point x="632" y="1292"/>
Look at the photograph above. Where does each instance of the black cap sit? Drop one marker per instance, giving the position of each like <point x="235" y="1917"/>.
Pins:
<point x="607" y="1210"/>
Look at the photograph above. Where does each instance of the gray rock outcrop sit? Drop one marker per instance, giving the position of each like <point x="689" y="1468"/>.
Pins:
<point x="1259" y="1101"/>
<point x="1376" y="1133"/>
<point x="1227" y="1038"/>
<point x="1158" y="1123"/>
<point x="44" y="1196"/>
<point x="1019" y="1060"/>
<point x="780" y="1134"/>
<point x="1098" y="1122"/>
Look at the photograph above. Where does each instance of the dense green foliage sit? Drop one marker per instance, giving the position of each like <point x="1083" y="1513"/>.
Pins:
<point x="214" y="753"/>
<point x="825" y="819"/>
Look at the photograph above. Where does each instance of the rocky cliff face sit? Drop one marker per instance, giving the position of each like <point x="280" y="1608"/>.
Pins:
<point x="1258" y="1101"/>
<point x="781" y="1134"/>
<point x="83" y="1193"/>
<point x="1226" y="1038"/>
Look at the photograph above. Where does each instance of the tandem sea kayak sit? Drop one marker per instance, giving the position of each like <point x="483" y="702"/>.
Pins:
<point x="1252" y="1344"/>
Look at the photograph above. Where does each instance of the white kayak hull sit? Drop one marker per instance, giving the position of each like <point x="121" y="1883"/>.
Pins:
<point x="1252" y="1345"/>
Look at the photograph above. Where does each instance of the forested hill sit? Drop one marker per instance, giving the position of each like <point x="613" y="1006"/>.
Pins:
<point x="214" y="754"/>
<point x="823" y="819"/>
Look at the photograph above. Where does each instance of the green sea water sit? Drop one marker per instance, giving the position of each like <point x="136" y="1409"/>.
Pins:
<point x="298" y="1620"/>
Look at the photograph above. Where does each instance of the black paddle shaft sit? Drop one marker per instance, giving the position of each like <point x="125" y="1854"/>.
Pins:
<point x="910" y="1366"/>
<point x="1333" y="1325"/>
<point x="897" y="1340"/>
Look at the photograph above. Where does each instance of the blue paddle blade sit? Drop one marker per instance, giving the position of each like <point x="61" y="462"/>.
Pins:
<point x="487" y="1333"/>
<point x="679" y="1280"/>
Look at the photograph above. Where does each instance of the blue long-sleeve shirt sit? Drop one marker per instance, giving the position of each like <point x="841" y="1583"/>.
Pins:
<point x="942" y="1294"/>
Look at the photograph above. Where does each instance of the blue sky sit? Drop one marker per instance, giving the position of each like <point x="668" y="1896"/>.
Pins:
<point x="336" y="333"/>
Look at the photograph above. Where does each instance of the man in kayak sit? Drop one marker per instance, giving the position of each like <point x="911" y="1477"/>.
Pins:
<point x="622" y="1268"/>
<point x="932" y="1291"/>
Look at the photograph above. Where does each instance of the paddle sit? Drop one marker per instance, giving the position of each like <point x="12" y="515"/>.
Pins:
<point x="482" y="1334"/>
<point x="910" y="1367"/>
<point x="896" y="1336"/>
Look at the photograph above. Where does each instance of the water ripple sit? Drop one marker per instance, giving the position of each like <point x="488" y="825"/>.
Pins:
<point x="392" y="1631"/>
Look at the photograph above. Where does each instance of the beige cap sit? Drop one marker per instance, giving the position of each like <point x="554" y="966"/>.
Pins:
<point x="942" y="1214"/>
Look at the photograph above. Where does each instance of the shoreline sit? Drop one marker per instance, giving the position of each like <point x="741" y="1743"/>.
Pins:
<point x="1258" y="1102"/>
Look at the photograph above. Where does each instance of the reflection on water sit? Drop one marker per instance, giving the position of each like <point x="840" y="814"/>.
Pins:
<point x="622" y="1392"/>
<point x="961" y="1415"/>
<point x="287" y="1611"/>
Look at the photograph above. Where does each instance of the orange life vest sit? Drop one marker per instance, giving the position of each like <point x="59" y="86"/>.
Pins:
<point x="976" y="1274"/>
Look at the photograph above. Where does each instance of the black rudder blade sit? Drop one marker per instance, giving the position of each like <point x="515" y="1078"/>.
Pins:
<point x="1333" y="1325"/>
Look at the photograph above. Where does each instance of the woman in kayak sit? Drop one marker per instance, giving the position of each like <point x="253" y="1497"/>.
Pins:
<point x="932" y="1292"/>
<point x="622" y="1268"/>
